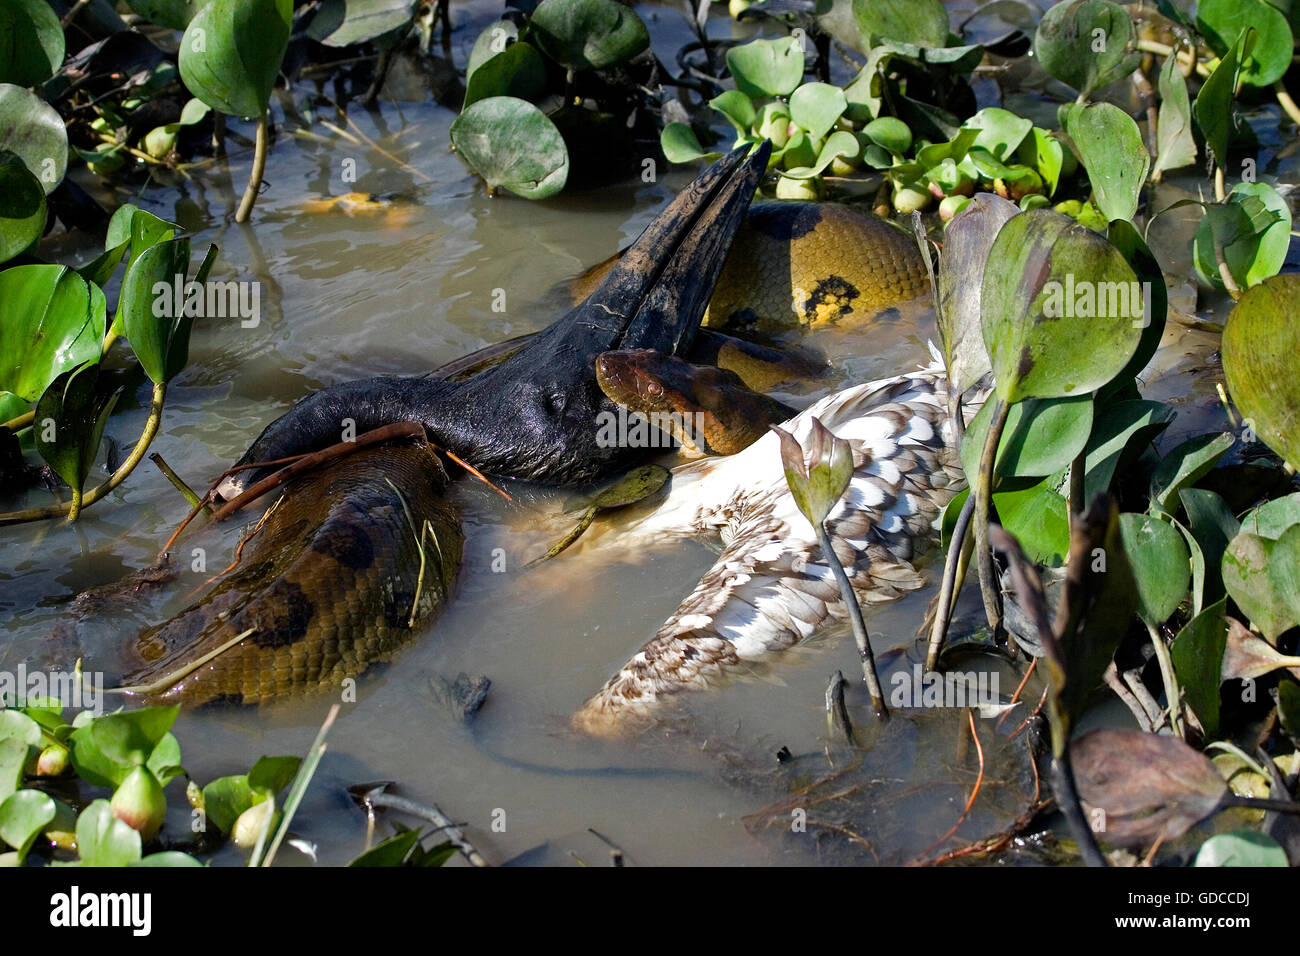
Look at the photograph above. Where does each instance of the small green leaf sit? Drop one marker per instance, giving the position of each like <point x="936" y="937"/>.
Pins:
<point x="1220" y="22"/>
<point x="22" y="207"/>
<point x="103" y="839"/>
<point x="1110" y="147"/>
<point x="270" y="775"/>
<point x="79" y="410"/>
<point x="766" y="67"/>
<point x="588" y="34"/>
<point x="391" y="852"/>
<point x="156" y="321"/>
<point x="340" y="23"/>
<point x="1158" y="558"/>
<point x="1045" y="153"/>
<point x="998" y="131"/>
<point x="889" y="133"/>
<point x="517" y="71"/>
<point x="1263" y="576"/>
<point x="1241" y="848"/>
<point x="920" y="22"/>
<point x="1213" y="107"/>
<point x="1041" y="436"/>
<point x="1252" y="227"/>
<point x="231" y="52"/>
<point x="816" y="107"/>
<point x="31" y="42"/>
<point x="225" y="798"/>
<point x="23" y="815"/>
<point x="1197" y="654"/>
<point x="1184" y="465"/>
<point x="680" y="145"/>
<point x="1175" y="146"/>
<point x="1087" y="44"/>
<point x="106" y="749"/>
<point x="737" y="108"/>
<point x="512" y="144"/>
<point x="1121" y="433"/>
<point x="34" y="131"/>
<point x="53" y="323"/>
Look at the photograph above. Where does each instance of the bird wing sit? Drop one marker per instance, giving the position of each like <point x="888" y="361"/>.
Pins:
<point x="771" y="588"/>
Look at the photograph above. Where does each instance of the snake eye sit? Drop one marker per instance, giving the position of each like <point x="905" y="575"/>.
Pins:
<point x="655" y="389"/>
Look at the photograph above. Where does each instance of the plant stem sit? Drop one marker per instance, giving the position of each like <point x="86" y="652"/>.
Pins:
<point x="1219" y="191"/>
<point x="186" y="491"/>
<point x="952" y="572"/>
<point x="255" y="175"/>
<point x="983" y="495"/>
<point x="1288" y="105"/>
<point x="1067" y="796"/>
<point x="1172" y="691"/>
<point x="1225" y="273"/>
<point x="855" y="619"/>
<point x="128" y="466"/>
<point x="22" y="421"/>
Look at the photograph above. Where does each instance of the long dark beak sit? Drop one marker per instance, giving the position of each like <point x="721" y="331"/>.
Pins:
<point x="658" y="291"/>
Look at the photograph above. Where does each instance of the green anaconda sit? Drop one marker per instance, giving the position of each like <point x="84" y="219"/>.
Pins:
<point x="804" y="264"/>
<point x="334" y="581"/>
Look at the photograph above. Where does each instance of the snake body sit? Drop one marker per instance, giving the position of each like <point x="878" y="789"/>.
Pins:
<point x="330" y="584"/>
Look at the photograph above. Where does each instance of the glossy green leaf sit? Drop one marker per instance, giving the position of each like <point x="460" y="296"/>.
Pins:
<point x="738" y="109"/>
<point x="1041" y="436"/>
<point x="107" y="748"/>
<point x="390" y="852"/>
<point x="766" y="67"/>
<point x="23" y="815"/>
<point x="680" y="144"/>
<point x="168" y="858"/>
<point x="517" y="71"/>
<point x="1110" y="147"/>
<point x="1086" y="44"/>
<point x="889" y="133"/>
<point x="31" y="42"/>
<point x="231" y="51"/>
<point x="173" y="14"/>
<point x="1213" y="108"/>
<point x="1175" y="146"/>
<point x="270" y="775"/>
<point x="1037" y="514"/>
<point x="1220" y="22"/>
<point x="1049" y="331"/>
<point x="1213" y="525"/>
<point x="103" y="839"/>
<point x="920" y="22"/>
<point x="1183" y="466"/>
<point x="72" y="414"/>
<point x="1263" y="576"/>
<point x="154" y="318"/>
<point x="998" y="131"/>
<point x="1241" y="848"/>
<point x="1121" y="433"/>
<point x="588" y="34"/>
<point x="1158" y="558"/>
<point x="840" y="144"/>
<point x="22" y="207"/>
<point x="14" y="754"/>
<point x="340" y="23"/>
<point x="53" y="323"/>
<point x="1197" y="655"/>
<point x="1260" y="343"/>
<point x="1124" y="236"/>
<point x="34" y="131"/>
<point x="225" y="798"/>
<point x="817" y="107"/>
<point x="1045" y="153"/>
<point x="1253" y="230"/>
<point x="1273" y="518"/>
<point x="512" y="144"/>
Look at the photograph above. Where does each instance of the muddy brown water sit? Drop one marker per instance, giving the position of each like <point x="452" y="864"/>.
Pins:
<point x="346" y="296"/>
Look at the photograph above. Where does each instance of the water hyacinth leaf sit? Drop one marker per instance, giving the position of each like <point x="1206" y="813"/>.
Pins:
<point x="512" y="144"/>
<point x="1263" y="576"/>
<point x="637" y="484"/>
<point x="680" y="144"/>
<point x="22" y="207"/>
<point x="1213" y="106"/>
<point x="1158" y="558"/>
<point x="1260" y="344"/>
<point x="340" y="23"/>
<point x="155" y="319"/>
<point x="1212" y="525"/>
<point x="767" y="67"/>
<point x="1147" y="787"/>
<point x="1241" y="848"/>
<point x="816" y="107"/>
<point x="1122" y="431"/>
<point x="1110" y="147"/>
<point x="1184" y="466"/>
<point x="517" y="71"/>
<point x="34" y="131"/>
<point x="493" y="40"/>
<point x="11" y="406"/>
<point x="1175" y="146"/>
<point x="1035" y="512"/>
<point x="23" y="815"/>
<point x="588" y="34"/>
<point x="889" y="133"/>
<point x="138" y="227"/>
<point x="13" y="758"/>
<point x="231" y="52"/>
<point x="773" y="123"/>
<point x="165" y="760"/>
<point x="1273" y="518"/>
<point x="31" y="42"/>
<point x="225" y="798"/>
<point x="1045" y="153"/>
<point x="1086" y="44"/>
<point x="53" y="323"/>
<point x="173" y="14"/>
<point x="1041" y="436"/>
<point x="955" y="148"/>
<point x="168" y="858"/>
<point x="390" y="852"/>
<point x="270" y="775"/>
<point x="998" y="131"/>
<point x="106" y="749"/>
<point x="103" y="839"/>
<point x="967" y="242"/>
<point x="15" y="725"/>
<point x="78" y="411"/>
<point x="1197" y="655"/>
<point x="839" y="145"/>
<point x="1047" y="335"/>
<point x="1252" y="228"/>
<point x="1220" y="22"/>
<point x="737" y="108"/>
<point x="923" y="23"/>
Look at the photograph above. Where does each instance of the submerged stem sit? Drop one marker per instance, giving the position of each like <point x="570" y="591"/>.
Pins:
<point x="255" y="174"/>
<point x="855" y="619"/>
